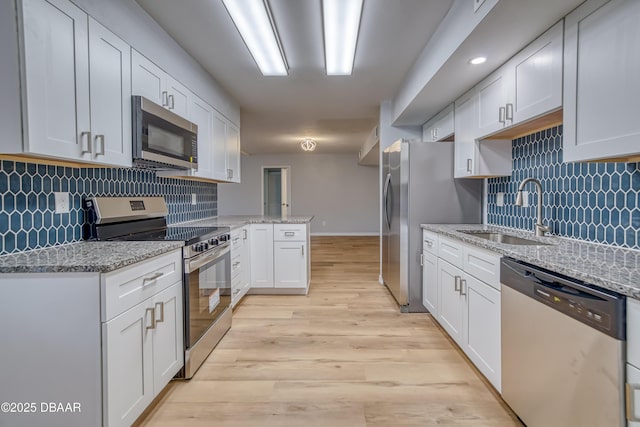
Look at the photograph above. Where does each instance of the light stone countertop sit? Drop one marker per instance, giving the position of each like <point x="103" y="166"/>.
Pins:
<point x="87" y="256"/>
<point x="609" y="267"/>
<point x="235" y="221"/>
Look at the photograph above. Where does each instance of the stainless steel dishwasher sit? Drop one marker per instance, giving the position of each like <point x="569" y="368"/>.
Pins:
<point x="563" y="346"/>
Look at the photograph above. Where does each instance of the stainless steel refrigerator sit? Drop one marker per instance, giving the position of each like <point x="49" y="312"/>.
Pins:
<point x="419" y="188"/>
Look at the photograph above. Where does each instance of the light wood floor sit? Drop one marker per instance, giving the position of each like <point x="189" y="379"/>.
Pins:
<point x="341" y="356"/>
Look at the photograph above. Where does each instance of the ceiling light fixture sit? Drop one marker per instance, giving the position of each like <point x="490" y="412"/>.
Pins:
<point x="341" y="20"/>
<point x="255" y="24"/>
<point x="478" y="60"/>
<point x="308" y="144"/>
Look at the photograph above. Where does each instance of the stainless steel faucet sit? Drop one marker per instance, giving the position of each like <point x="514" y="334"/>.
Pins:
<point x="540" y="227"/>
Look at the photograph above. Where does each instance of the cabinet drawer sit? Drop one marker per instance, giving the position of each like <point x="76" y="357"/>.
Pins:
<point x="236" y="266"/>
<point x="122" y="289"/>
<point x="633" y="332"/>
<point x="484" y="265"/>
<point x="237" y="239"/>
<point x="290" y="232"/>
<point x="450" y="250"/>
<point x="429" y="242"/>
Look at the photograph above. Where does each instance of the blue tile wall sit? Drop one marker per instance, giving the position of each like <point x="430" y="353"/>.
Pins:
<point x="597" y="202"/>
<point x="27" y="203"/>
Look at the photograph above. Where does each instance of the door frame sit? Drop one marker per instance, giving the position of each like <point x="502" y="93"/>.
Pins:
<point x="288" y="181"/>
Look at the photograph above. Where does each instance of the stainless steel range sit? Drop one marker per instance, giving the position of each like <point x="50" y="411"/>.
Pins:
<point x="207" y="265"/>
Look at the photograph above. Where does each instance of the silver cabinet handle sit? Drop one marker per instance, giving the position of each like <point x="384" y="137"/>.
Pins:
<point x="88" y="140"/>
<point x="161" y="305"/>
<point x="463" y="284"/>
<point x="165" y="98"/>
<point x="245" y="236"/>
<point x="509" y="114"/>
<point x="99" y="139"/>
<point x="153" y="318"/>
<point x="456" y="285"/>
<point x="302" y="247"/>
<point x="152" y="278"/>
<point x="501" y="114"/>
<point x="173" y="105"/>
<point x="435" y="134"/>
<point x="230" y="173"/>
<point x="289" y="233"/>
<point x="429" y="243"/>
<point x="469" y="164"/>
<point x="236" y="264"/>
<point x="630" y="401"/>
<point x="236" y="240"/>
<point x="421" y="260"/>
<point x="237" y="291"/>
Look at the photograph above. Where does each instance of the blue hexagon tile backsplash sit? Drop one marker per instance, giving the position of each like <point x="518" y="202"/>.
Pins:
<point x="597" y="202"/>
<point x="27" y="202"/>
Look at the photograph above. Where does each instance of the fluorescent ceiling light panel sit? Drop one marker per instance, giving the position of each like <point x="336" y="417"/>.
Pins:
<point x="341" y="20"/>
<point x="253" y="21"/>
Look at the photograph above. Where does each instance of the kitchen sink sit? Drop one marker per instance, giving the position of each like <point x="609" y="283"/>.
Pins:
<point x="503" y="238"/>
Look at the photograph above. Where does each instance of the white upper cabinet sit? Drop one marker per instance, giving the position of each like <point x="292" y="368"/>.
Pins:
<point x="147" y="79"/>
<point x="233" y="152"/>
<point x="465" y="131"/>
<point x="202" y="116"/>
<point x="78" y="86"/>
<point x="537" y="78"/>
<point x="219" y="147"/>
<point x="178" y="97"/>
<point x="601" y="89"/>
<point x="439" y="128"/>
<point x="493" y="98"/>
<point x="110" y="96"/>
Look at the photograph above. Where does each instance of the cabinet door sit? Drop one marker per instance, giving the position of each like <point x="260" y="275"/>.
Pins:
<point x="178" y="97"/>
<point x="57" y="79"/>
<point x="262" y="255"/>
<point x="633" y="396"/>
<point x="147" y="79"/>
<point x="451" y="307"/>
<point x="537" y="72"/>
<point x="633" y="332"/>
<point x="444" y="127"/>
<point x="128" y="365"/>
<point x="219" y="147"/>
<point x="245" y="258"/>
<point x="202" y="116"/>
<point x="110" y="96"/>
<point x="492" y="101"/>
<point x="465" y="122"/>
<point x="233" y="152"/>
<point x="168" y="344"/>
<point x="601" y="90"/>
<point x="290" y="264"/>
<point x="430" y="283"/>
<point x="482" y="328"/>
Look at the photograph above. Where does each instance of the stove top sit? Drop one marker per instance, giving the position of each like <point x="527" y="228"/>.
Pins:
<point x="189" y="235"/>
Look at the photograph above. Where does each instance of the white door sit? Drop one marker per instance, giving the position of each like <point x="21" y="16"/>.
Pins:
<point x="261" y="255"/>
<point x="482" y="328"/>
<point x="601" y="90"/>
<point x="128" y="365"/>
<point x="147" y="79"/>
<point x="168" y="344"/>
<point x="537" y="77"/>
<point x="451" y="307"/>
<point x="465" y="119"/>
<point x="179" y="97"/>
<point x="233" y="152"/>
<point x="219" y="147"/>
<point x="285" y="191"/>
<point x="430" y="283"/>
<point x="492" y="102"/>
<point x="290" y="264"/>
<point x="202" y="116"/>
<point x="110" y="96"/>
<point x="57" y="79"/>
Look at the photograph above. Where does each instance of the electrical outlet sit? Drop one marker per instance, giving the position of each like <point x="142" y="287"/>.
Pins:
<point x="500" y="199"/>
<point x="62" y="202"/>
<point x="525" y="199"/>
<point x="194" y="198"/>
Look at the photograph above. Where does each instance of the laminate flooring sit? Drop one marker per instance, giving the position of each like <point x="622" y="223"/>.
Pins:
<point x="342" y="355"/>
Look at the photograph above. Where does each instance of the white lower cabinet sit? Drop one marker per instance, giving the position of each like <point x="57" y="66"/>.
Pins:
<point x="633" y="363"/>
<point x="240" y="264"/>
<point x="262" y="255"/>
<point x="430" y="283"/>
<point x="290" y="265"/>
<point x="467" y="301"/>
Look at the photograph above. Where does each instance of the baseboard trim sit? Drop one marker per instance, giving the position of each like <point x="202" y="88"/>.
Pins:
<point x="363" y="234"/>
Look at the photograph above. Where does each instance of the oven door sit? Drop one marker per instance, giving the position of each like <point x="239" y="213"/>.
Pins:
<point x="207" y="288"/>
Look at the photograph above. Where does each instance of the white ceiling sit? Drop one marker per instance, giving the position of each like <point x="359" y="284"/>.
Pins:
<point x="278" y="112"/>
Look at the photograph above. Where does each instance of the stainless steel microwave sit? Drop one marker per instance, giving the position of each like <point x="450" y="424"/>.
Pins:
<point x="161" y="138"/>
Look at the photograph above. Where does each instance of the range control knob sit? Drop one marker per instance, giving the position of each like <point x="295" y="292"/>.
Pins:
<point x="213" y="242"/>
<point x="224" y="237"/>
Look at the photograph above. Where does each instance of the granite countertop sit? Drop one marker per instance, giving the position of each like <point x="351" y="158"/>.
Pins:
<point x="235" y="221"/>
<point x="88" y="256"/>
<point x="612" y="268"/>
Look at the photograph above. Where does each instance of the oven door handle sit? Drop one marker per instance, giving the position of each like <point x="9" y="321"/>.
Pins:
<point x="195" y="263"/>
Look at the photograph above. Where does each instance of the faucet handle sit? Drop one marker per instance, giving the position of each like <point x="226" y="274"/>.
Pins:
<point x="541" y="229"/>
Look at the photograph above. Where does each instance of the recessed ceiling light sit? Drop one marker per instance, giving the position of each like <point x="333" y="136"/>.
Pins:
<point x="255" y="24"/>
<point x="308" y="144"/>
<point x="341" y="21"/>
<point x="478" y="60"/>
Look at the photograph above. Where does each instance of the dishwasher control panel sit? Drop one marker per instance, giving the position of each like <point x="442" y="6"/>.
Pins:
<point x="573" y="306"/>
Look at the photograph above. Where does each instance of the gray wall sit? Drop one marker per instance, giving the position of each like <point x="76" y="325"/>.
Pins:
<point x="342" y="195"/>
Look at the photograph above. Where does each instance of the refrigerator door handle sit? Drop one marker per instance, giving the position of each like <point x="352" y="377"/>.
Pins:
<point x="386" y="200"/>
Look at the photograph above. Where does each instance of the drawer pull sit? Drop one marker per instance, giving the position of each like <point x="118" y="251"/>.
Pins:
<point x="152" y="278"/>
<point x="161" y="304"/>
<point x="153" y="318"/>
<point x="456" y="284"/>
<point x="429" y="243"/>
<point x="289" y="233"/>
<point x="235" y="264"/>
